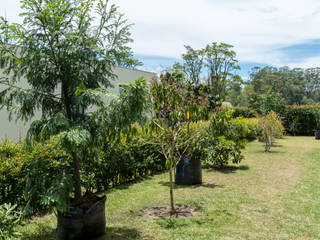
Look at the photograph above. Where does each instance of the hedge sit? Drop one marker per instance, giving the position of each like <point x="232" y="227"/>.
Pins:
<point x="120" y="161"/>
<point x="299" y="120"/>
<point x="244" y="112"/>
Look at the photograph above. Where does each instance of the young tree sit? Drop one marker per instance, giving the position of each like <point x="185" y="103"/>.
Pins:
<point x="271" y="127"/>
<point x="173" y="107"/>
<point x="67" y="60"/>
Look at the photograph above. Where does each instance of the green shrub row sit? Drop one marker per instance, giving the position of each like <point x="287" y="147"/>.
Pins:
<point x="298" y="120"/>
<point x="26" y="173"/>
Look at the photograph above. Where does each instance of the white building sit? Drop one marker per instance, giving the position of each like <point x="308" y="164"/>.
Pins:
<point x="17" y="129"/>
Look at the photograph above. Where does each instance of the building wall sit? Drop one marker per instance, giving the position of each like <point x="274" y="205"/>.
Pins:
<point x="18" y="129"/>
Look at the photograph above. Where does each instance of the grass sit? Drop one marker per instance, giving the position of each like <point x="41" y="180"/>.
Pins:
<point x="268" y="196"/>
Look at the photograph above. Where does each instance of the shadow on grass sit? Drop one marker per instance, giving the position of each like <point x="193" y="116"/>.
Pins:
<point x="126" y="185"/>
<point x="121" y="233"/>
<point x="277" y="145"/>
<point x="175" y="186"/>
<point x="230" y="169"/>
<point x="272" y="151"/>
<point x="42" y="231"/>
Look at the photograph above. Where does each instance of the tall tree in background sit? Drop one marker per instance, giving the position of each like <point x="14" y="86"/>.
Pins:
<point x="295" y="86"/>
<point x="192" y="64"/>
<point x="312" y="85"/>
<point x="67" y="61"/>
<point x="221" y="64"/>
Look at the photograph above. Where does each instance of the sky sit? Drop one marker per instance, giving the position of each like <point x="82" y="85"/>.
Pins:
<point x="263" y="32"/>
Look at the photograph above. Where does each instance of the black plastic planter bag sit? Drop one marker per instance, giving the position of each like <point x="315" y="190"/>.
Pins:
<point x="77" y="225"/>
<point x="188" y="172"/>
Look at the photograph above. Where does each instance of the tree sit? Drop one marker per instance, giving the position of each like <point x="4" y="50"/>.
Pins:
<point x="67" y="61"/>
<point x="172" y="108"/>
<point x="271" y="128"/>
<point x="221" y="64"/>
<point x="295" y="86"/>
<point x="192" y="64"/>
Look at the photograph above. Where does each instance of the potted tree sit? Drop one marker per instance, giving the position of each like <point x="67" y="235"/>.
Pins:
<point x="67" y="61"/>
<point x="172" y="107"/>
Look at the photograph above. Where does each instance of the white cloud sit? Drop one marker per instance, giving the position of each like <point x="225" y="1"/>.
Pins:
<point x="257" y="28"/>
<point x="306" y="63"/>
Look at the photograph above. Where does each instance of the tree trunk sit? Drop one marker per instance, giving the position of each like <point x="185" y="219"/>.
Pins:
<point x="77" y="184"/>
<point x="171" y="190"/>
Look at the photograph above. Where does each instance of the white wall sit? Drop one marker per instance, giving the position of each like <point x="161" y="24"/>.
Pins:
<point x="13" y="130"/>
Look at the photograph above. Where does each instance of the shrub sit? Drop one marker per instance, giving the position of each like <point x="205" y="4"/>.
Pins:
<point x="248" y="127"/>
<point x="9" y="218"/>
<point x="21" y="169"/>
<point x="12" y="172"/>
<point x="271" y="128"/>
<point x="223" y="140"/>
<point x="123" y="160"/>
<point x="299" y="120"/>
<point x="244" y="112"/>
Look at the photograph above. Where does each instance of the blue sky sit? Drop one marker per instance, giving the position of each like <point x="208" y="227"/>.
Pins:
<point x="263" y="32"/>
<point x="158" y="63"/>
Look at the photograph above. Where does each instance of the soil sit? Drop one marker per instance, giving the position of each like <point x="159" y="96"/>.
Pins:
<point x="86" y="202"/>
<point x="164" y="211"/>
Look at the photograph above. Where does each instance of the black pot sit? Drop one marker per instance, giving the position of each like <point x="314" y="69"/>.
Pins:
<point x="317" y="134"/>
<point x="77" y="225"/>
<point x="188" y="172"/>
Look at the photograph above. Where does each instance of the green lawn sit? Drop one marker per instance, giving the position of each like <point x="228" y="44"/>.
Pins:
<point x="268" y="196"/>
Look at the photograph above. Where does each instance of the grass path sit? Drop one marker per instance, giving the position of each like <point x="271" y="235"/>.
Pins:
<point x="269" y="196"/>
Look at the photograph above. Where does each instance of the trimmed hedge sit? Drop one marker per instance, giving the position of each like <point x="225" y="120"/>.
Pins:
<point x="16" y="162"/>
<point x="299" y="120"/>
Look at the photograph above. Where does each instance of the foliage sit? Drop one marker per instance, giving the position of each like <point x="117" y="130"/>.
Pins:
<point x="295" y="86"/>
<point x="249" y="126"/>
<point x="12" y="172"/>
<point x="224" y="140"/>
<point x="244" y="112"/>
<point x="27" y="175"/>
<point x="271" y="102"/>
<point x="9" y="218"/>
<point x="173" y="107"/>
<point x="124" y="159"/>
<point x="192" y="64"/>
<point x="49" y="177"/>
<point x="121" y="159"/>
<point x="220" y="207"/>
<point x="221" y="64"/>
<point x="299" y="120"/>
<point x="271" y="128"/>
<point x="67" y="61"/>
<point x="218" y="59"/>
<point x="316" y="114"/>
<point x="264" y="103"/>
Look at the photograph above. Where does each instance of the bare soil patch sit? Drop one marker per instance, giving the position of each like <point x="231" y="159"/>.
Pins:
<point x="164" y="211"/>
